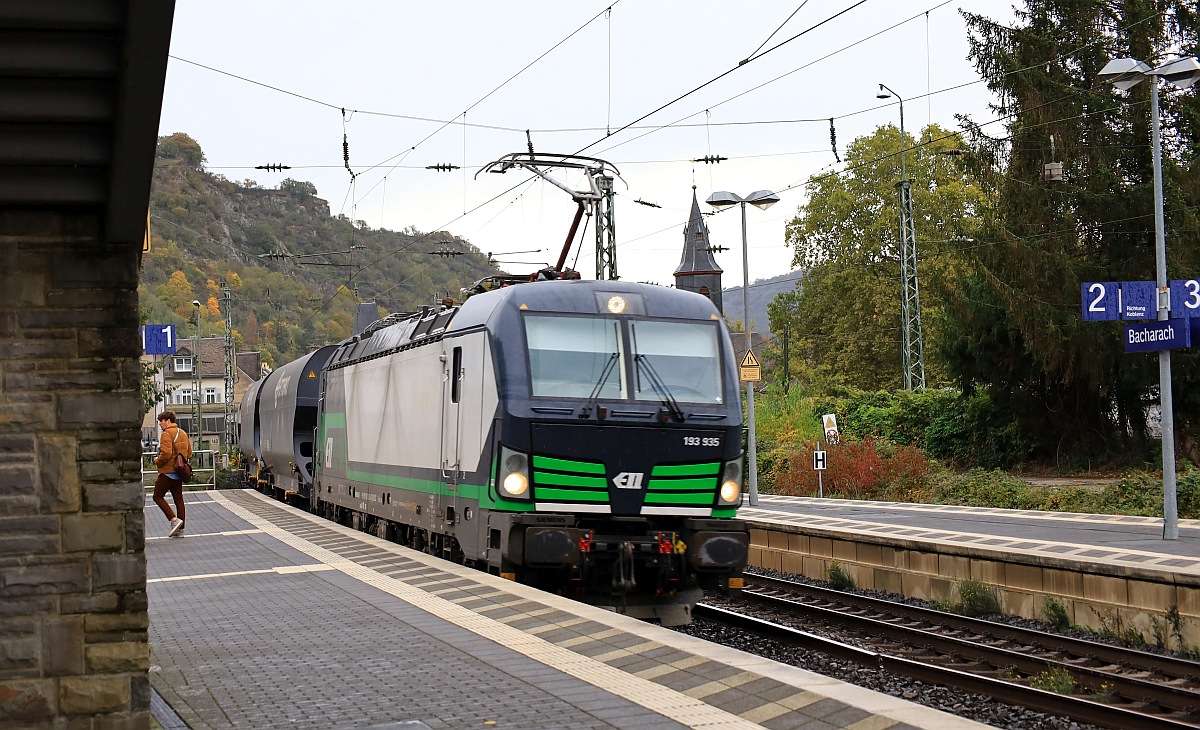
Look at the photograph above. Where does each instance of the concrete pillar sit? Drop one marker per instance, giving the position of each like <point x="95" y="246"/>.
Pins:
<point x="73" y="622"/>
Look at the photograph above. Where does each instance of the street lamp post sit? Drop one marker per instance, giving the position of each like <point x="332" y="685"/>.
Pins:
<point x="1125" y="73"/>
<point x="913" y="352"/>
<point x="197" y="410"/>
<point x="761" y="199"/>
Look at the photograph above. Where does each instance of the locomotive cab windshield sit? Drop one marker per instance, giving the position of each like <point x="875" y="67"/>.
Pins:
<point x="624" y="358"/>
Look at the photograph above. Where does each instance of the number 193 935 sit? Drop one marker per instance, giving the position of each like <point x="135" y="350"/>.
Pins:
<point x="701" y="441"/>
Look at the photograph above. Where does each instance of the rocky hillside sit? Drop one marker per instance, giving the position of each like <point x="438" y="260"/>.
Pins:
<point x="295" y="272"/>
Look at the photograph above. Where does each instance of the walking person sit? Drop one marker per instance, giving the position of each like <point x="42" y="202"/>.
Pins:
<point x="173" y="441"/>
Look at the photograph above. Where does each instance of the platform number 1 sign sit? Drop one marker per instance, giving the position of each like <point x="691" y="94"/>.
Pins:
<point x="158" y="339"/>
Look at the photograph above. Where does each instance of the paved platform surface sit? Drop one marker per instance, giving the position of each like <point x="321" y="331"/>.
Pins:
<point x="1127" y="541"/>
<point x="267" y="617"/>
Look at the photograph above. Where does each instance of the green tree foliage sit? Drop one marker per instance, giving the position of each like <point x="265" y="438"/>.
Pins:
<point x="181" y="147"/>
<point x="1015" y="327"/>
<point x="206" y="229"/>
<point x="843" y="319"/>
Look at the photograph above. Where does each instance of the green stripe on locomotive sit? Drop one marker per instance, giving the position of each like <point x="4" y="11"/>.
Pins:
<point x="564" y="481"/>
<point x="687" y="470"/>
<point x="584" y="467"/>
<point x="463" y="490"/>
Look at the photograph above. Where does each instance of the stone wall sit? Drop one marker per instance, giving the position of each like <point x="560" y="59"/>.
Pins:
<point x="1121" y="599"/>
<point x="73" y="622"/>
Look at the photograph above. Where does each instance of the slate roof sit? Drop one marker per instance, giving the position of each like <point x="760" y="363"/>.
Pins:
<point x="213" y="350"/>
<point x="697" y="259"/>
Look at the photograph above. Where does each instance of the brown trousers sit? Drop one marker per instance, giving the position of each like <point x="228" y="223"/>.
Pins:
<point x="165" y="484"/>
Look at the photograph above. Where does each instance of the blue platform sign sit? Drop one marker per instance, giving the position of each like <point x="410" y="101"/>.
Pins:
<point x="1138" y="300"/>
<point x="1167" y="334"/>
<point x="1100" y="300"/>
<point x="158" y="339"/>
<point x="1185" y="298"/>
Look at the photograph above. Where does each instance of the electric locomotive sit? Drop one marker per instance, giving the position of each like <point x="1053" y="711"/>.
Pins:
<point x="581" y="436"/>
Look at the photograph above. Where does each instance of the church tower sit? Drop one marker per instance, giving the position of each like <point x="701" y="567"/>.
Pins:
<point x="698" y="271"/>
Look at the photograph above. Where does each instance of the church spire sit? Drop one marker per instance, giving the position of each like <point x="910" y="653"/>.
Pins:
<point x="698" y="270"/>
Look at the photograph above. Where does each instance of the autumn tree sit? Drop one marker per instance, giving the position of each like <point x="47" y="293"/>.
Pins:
<point x="252" y="337"/>
<point x="843" y="319"/>
<point x="178" y="295"/>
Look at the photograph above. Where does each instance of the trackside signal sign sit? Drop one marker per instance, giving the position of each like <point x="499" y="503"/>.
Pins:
<point x="751" y="369"/>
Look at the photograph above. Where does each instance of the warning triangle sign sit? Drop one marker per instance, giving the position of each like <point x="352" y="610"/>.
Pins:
<point x="749" y="361"/>
<point x="312" y="373"/>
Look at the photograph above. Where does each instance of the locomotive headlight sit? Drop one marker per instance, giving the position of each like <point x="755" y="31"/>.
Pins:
<point x="731" y="483"/>
<point x="515" y="484"/>
<point x="514" y="474"/>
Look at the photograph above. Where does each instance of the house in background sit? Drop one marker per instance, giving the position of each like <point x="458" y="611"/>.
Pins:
<point x="176" y="377"/>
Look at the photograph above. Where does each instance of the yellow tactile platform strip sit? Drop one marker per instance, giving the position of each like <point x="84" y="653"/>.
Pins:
<point x="763" y="516"/>
<point x="693" y="682"/>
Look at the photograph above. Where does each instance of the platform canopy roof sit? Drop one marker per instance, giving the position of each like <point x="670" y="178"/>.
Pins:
<point x="81" y="87"/>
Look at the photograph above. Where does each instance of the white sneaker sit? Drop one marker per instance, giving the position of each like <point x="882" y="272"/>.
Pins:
<point x="176" y="527"/>
<point x="177" y="534"/>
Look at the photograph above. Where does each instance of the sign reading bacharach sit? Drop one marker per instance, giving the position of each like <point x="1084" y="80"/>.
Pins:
<point x="1167" y="334"/>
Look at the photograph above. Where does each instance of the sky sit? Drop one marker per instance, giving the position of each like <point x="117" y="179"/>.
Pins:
<point x="407" y="85"/>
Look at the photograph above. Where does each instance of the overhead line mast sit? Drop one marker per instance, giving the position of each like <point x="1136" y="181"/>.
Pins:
<point x="230" y="372"/>
<point x="597" y="199"/>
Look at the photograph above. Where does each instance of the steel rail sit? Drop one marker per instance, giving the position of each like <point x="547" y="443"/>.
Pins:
<point x="992" y="658"/>
<point x="1104" y="654"/>
<point x="1079" y="709"/>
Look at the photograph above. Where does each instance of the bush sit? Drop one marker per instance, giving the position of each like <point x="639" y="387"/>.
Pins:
<point x="854" y="472"/>
<point x="839" y="579"/>
<point x="990" y="488"/>
<point x="1055" y="612"/>
<point x="1135" y="494"/>
<point x="976" y="598"/>
<point x="1187" y="491"/>
<point x="906" y="474"/>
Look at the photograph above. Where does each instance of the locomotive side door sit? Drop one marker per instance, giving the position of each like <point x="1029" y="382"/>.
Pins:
<point x="452" y="370"/>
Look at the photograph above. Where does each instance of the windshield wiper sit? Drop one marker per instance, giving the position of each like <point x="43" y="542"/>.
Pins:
<point x="586" y="411"/>
<point x="659" y="386"/>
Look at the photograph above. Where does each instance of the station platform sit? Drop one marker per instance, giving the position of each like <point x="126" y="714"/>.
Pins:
<point x="1110" y="573"/>
<point x="265" y="616"/>
<point x="1132" y="541"/>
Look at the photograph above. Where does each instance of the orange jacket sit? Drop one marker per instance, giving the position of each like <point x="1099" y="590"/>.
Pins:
<point x="169" y="445"/>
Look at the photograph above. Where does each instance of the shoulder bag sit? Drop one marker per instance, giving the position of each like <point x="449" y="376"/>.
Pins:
<point x="183" y="469"/>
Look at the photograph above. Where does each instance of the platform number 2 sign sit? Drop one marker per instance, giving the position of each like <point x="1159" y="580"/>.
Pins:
<point x="1100" y="300"/>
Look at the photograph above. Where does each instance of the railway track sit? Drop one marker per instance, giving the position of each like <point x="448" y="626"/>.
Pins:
<point x="1108" y="686"/>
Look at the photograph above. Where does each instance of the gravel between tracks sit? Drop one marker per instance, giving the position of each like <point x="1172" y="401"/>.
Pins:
<point x="973" y="706"/>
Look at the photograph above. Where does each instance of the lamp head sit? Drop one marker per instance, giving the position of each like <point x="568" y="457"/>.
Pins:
<point x="762" y="199"/>
<point x="723" y="199"/>
<point x="1124" y="73"/>
<point x="195" y="302"/>
<point x="1183" y="72"/>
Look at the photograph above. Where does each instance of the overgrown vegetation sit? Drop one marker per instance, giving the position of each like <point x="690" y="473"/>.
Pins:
<point x="942" y="448"/>
<point x="839" y="579"/>
<point x="975" y="598"/>
<point x="1055" y="679"/>
<point x="1166" y="631"/>
<point x="1055" y="612"/>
